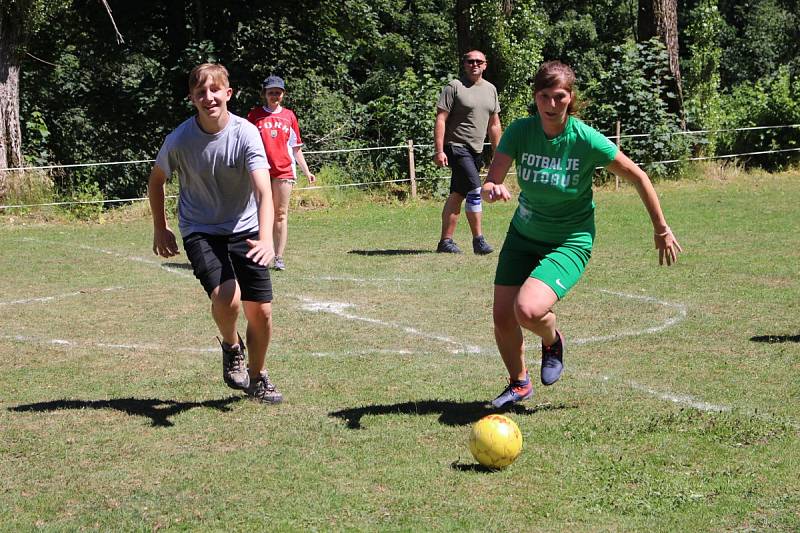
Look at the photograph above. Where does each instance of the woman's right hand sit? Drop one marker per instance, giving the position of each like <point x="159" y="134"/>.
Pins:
<point x="491" y="192"/>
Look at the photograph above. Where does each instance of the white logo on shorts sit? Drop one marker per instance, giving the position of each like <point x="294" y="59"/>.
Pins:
<point x="558" y="282"/>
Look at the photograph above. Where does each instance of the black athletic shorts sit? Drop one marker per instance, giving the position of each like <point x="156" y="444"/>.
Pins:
<point x="465" y="166"/>
<point x="216" y="259"/>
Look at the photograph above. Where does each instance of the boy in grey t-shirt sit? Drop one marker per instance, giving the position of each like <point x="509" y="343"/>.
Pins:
<point x="225" y="215"/>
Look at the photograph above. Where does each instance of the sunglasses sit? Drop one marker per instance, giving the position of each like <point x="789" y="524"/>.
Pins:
<point x="474" y="61"/>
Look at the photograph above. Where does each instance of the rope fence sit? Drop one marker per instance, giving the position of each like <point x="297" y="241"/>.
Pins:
<point x="411" y="148"/>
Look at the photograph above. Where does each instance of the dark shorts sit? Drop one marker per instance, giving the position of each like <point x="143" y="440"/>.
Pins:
<point x="216" y="259"/>
<point x="465" y="166"/>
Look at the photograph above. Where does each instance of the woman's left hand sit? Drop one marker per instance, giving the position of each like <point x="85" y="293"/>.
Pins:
<point x="667" y="246"/>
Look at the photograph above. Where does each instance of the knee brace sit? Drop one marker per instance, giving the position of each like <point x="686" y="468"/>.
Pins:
<point x="473" y="204"/>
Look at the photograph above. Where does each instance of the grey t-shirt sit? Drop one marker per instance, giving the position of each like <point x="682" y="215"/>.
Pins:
<point x="216" y="195"/>
<point x="469" y="107"/>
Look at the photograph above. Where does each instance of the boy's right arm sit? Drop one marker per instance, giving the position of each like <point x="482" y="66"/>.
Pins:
<point x="164" y="243"/>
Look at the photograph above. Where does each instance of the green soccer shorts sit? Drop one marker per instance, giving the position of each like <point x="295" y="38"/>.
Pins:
<point x="559" y="266"/>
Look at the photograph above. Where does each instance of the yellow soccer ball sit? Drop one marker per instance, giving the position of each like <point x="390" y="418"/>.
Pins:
<point x="495" y="441"/>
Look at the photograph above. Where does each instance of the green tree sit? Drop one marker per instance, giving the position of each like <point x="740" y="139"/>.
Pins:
<point x="771" y="101"/>
<point x="512" y="36"/>
<point x="18" y="20"/>
<point x="702" y="69"/>
<point x="760" y="37"/>
<point x="99" y="100"/>
<point x="630" y="91"/>
<point x="584" y="35"/>
<point x="659" y="18"/>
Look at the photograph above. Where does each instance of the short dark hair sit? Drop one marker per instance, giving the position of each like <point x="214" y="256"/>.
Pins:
<point x="464" y="56"/>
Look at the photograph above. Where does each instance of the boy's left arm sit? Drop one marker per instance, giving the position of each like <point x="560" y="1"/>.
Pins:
<point x="262" y="250"/>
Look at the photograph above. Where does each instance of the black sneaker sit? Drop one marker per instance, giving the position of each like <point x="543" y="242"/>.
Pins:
<point x="234" y="370"/>
<point x="263" y="390"/>
<point x="480" y="246"/>
<point x="553" y="360"/>
<point x="447" y="246"/>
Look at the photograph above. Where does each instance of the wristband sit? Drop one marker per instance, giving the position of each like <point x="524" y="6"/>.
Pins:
<point x="667" y="232"/>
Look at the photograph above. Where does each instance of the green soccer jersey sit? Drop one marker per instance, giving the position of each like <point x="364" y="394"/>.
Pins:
<point x="555" y="178"/>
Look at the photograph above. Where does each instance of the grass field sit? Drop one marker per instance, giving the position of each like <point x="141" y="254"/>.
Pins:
<point x="678" y="410"/>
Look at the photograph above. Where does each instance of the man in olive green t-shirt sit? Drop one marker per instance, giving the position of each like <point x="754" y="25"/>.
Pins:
<point x="466" y="109"/>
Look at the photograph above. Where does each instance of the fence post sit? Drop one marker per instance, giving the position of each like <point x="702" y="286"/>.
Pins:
<point x="617" y="137"/>
<point x="412" y="171"/>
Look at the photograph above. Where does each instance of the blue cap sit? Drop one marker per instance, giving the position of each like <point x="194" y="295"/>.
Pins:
<point x="273" y="82"/>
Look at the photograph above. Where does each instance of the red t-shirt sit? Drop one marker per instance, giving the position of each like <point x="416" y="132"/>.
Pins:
<point x="280" y="134"/>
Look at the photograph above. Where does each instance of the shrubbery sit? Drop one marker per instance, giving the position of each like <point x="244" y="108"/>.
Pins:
<point x="365" y="74"/>
<point x="632" y="91"/>
<point x="771" y="101"/>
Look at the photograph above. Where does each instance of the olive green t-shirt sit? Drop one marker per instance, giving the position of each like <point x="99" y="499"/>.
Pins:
<point x="555" y="178"/>
<point x="469" y="107"/>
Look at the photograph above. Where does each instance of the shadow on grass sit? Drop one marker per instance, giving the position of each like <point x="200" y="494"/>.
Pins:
<point x="389" y="252"/>
<point x="450" y="413"/>
<point x="774" y="339"/>
<point x="158" y="411"/>
<point x="473" y="467"/>
<point x="182" y="266"/>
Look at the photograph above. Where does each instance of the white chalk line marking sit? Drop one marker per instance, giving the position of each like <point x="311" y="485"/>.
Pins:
<point x="680" y="399"/>
<point x="337" y="308"/>
<point x="358" y="280"/>
<point x="133" y="258"/>
<point x="60" y="296"/>
<point x="350" y="353"/>
<point x="77" y="344"/>
<point x="701" y="405"/>
<point x="668" y="323"/>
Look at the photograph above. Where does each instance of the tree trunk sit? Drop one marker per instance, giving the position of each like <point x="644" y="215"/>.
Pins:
<point x="463" y="33"/>
<point x="660" y="18"/>
<point x="177" y="39"/>
<point x="10" y="133"/>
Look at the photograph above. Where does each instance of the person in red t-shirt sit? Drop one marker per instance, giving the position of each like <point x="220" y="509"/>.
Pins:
<point x="281" y="136"/>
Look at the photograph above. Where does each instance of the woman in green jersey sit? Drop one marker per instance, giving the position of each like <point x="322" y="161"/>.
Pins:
<point x="549" y="241"/>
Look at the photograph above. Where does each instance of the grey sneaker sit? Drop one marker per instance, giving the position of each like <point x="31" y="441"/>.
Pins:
<point x="279" y="264"/>
<point x="517" y="391"/>
<point x="480" y="246"/>
<point x="553" y="360"/>
<point x="447" y="246"/>
<point x="234" y="370"/>
<point x="263" y="390"/>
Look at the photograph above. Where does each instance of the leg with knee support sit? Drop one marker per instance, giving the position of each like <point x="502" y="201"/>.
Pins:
<point x="473" y="204"/>
<point x="473" y="208"/>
